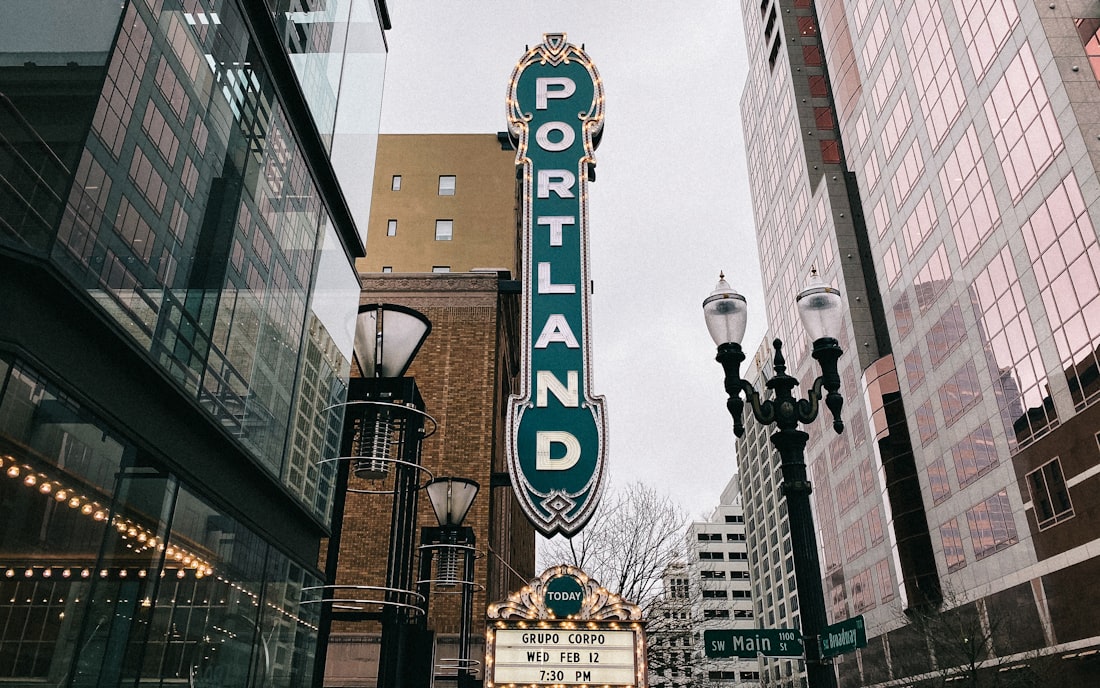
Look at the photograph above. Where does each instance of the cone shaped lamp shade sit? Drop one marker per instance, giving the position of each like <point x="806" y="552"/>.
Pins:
<point x="726" y="314"/>
<point x="820" y="308"/>
<point x="451" y="499"/>
<point x="387" y="338"/>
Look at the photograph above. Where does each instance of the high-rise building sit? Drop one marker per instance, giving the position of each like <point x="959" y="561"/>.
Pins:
<point x="721" y="594"/>
<point x="462" y="280"/>
<point x="937" y="161"/>
<point x="670" y="642"/>
<point x="177" y="295"/>
<point x="707" y="589"/>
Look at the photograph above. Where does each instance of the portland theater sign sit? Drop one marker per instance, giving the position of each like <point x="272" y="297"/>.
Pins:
<point x="557" y="429"/>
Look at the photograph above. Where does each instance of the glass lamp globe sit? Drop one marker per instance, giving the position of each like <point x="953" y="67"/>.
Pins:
<point x="821" y="308"/>
<point x="726" y="313"/>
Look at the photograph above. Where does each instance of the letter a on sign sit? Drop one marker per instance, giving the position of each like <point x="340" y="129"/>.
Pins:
<point x="557" y="428"/>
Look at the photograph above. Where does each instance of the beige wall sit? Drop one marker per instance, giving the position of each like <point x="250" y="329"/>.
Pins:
<point x="483" y="207"/>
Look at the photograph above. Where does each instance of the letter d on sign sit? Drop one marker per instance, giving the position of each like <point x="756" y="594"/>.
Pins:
<point x="545" y="438"/>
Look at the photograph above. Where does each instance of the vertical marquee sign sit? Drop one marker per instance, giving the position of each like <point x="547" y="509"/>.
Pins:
<point x="557" y="431"/>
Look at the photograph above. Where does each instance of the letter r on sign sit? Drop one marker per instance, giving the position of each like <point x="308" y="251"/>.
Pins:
<point x="559" y="181"/>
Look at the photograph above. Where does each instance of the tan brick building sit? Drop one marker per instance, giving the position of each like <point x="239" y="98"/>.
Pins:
<point x="443" y="203"/>
<point x="465" y="371"/>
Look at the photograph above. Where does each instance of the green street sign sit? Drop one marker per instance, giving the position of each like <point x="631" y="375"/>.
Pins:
<point x="846" y="636"/>
<point x="557" y="427"/>
<point x="747" y="644"/>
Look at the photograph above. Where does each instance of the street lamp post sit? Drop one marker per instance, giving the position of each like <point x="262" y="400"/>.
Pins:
<point x="451" y="499"/>
<point x="383" y="428"/>
<point x="819" y="306"/>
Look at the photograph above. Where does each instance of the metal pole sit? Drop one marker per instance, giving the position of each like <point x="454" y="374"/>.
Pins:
<point x="395" y="624"/>
<point x="467" y="610"/>
<point x="786" y="413"/>
<point x="332" y="554"/>
<point x="807" y="566"/>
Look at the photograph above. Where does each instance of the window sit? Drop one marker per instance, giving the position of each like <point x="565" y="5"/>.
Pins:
<point x="387" y="268"/>
<point x="739" y="556"/>
<point x="712" y="574"/>
<point x="705" y="537"/>
<point x="735" y="519"/>
<point x="391" y="227"/>
<point x="1049" y="494"/>
<point x="991" y="525"/>
<point x="937" y="480"/>
<point x="678" y="587"/>
<point x="444" y="230"/>
<point x="735" y="537"/>
<point x="716" y="613"/>
<point x="975" y="455"/>
<point x="715" y="594"/>
<point x="441" y="268"/>
<point x="960" y="392"/>
<point x="953" y="552"/>
<point x="823" y="118"/>
<point x="446" y="185"/>
<point x="1089" y="31"/>
<point x="711" y="555"/>
<point x="396" y="184"/>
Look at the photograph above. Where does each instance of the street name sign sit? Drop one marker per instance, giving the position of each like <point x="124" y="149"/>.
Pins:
<point x="557" y="428"/>
<point x="843" y="637"/>
<point x="748" y="643"/>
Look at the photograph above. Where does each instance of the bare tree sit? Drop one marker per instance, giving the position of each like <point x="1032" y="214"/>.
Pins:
<point x="632" y="546"/>
<point x="634" y="536"/>
<point x="975" y="645"/>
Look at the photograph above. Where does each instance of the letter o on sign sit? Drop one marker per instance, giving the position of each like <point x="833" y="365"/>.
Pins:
<point x="564" y="596"/>
<point x="542" y="135"/>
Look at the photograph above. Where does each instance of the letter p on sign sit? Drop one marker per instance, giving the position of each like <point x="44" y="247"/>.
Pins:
<point x="543" y="93"/>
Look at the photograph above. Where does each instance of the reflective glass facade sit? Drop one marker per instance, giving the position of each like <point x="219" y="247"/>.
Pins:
<point x="177" y="316"/>
<point x="964" y="208"/>
<point x="114" y="570"/>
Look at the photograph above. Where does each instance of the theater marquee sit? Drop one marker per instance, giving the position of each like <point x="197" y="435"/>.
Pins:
<point x="564" y="629"/>
<point x="557" y="427"/>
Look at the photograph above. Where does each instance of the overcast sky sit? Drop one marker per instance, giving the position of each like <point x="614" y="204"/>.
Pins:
<point x="669" y="209"/>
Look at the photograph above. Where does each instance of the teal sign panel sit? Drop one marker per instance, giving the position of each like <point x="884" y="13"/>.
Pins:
<point x="557" y="428"/>
<point x="748" y="643"/>
<point x="564" y="595"/>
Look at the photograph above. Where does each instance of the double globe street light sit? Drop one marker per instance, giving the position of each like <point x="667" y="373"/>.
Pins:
<point x="820" y="308"/>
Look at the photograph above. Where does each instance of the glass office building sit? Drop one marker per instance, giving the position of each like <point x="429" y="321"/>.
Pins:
<point x="938" y="161"/>
<point x="177" y="300"/>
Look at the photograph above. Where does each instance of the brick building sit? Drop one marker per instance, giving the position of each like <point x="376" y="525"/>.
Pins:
<point x="465" y="372"/>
